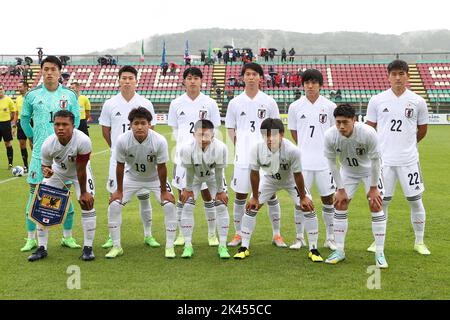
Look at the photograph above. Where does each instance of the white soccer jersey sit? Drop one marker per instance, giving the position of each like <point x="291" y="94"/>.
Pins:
<point x="63" y="159"/>
<point x="141" y="159"/>
<point x="311" y="120"/>
<point x="115" y="112"/>
<point x="355" y="152"/>
<point x="397" y="119"/>
<point x="204" y="162"/>
<point x="245" y="116"/>
<point x="185" y="112"/>
<point x="280" y="166"/>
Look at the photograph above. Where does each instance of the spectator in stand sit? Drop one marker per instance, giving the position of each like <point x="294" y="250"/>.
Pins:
<point x="268" y="79"/>
<point x="226" y="56"/>
<point x="283" y="55"/>
<point x="40" y="55"/>
<point x="297" y="93"/>
<point x="214" y="82"/>
<point x="287" y="79"/>
<point x="27" y="73"/>
<point x="278" y="80"/>
<point x="291" y="55"/>
<point x="219" y="56"/>
<point x="187" y="60"/>
<point x="271" y="55"/>
<point x="173" y="67"/>
<point x="202" y="56"/>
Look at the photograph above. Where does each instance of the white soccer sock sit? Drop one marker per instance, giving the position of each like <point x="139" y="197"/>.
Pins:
<point x="31" y="234"/>
<point x="115" y="221"/>
<point x="210" y="213"/>
<point x="179" y="210"/>
<point x="418" y="218"/>
<point x="273" y="209"/>
<point x="340" y="226"/>
<point x="42" y="237"/>
<point x="328" y="216"/>
<point x="146" y="213"/>
<point x="67" y="233"/>
<point x="299" y="223"/>
<point x="187" y="221"/>
<point x="248" y="226"/>
<point x="379" y="230"/>
<point x="312" y="228"/>
<point x="89" y="222"/>
<point x="386" y="202"/>
<point x="170" y="219"/>
<point x="223" y="222"/>
<point x="238" y="213"/>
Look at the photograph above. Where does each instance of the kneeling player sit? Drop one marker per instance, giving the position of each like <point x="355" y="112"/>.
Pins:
<point x="65" y="155"/>
<point x="205" y="159"/>
<point x="356" y="145"/>
<point x="141" y="156"/>
<point x="280" y="160"/>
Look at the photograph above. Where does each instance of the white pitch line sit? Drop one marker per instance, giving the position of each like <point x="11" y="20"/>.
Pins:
<point x="13" y="178"/>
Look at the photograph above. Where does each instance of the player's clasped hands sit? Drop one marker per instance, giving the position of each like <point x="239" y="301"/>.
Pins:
<point x="47" y="172"/>
<point x="222" y="196"/>
<point x="252" y="204"/>
<point x="375" y="200"/>
<point x="306" y="204"/>
<point x="185" y="195"/>
<point x="116" y="196"/>
<point x="341" y="199"/>
<point x="167" y="196"/>
<point x="86" y="201"/>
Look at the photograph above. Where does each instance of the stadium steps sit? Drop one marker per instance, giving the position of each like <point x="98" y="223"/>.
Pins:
<point x="416" y="83"/>
<point x="36" y="73"/>
<point x="219" y="72"/>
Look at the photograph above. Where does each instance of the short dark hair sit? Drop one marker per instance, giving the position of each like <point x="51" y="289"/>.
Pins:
<point x="398" y="65"/>
<point x="140" y="112"/>
<point x="203" y="124"/>
<point x="129" y="69"/>
<point x="271" y="124"/>
<point x="25" y="83"/>
<point x="252" y="66"/>
<point x="75" y="83"/>
<point x="52" y="59"/>
<point x="344" y="110"/>
<point x="193" y="71"/>
<point x="312" y="75"/>
<point x="64" y="114"/>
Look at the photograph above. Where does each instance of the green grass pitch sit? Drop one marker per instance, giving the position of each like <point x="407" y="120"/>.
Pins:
<point x="269" y="273"/>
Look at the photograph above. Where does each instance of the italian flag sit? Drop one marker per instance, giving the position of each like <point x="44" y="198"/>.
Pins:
<point x="141" y="59"/>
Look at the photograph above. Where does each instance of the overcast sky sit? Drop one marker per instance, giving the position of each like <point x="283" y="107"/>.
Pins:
<point x="81" y="26"/>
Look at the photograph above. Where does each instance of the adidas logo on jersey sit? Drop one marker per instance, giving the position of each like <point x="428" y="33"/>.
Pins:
<point x="182" y="113"/>
<point x="417" y="188"/>
<point x="386" y="110"/>
<point x="303" y="117"/>
<point x="338" y="150"/>
<point x="242" y="113"/>
<point x="118" y="114"/>
<point x="131" y="156"/>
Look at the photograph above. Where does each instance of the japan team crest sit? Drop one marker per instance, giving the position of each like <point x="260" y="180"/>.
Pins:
<point x="360" y="151"/>
<point x="323" y="117"/>
<point x="202" y="114"/>
<point x="71" y="158"/>
<point x="63" y="104"/>
<point x="262" y="113"/>
<point x="409" y="112"/>
<point x="151" y="158"/>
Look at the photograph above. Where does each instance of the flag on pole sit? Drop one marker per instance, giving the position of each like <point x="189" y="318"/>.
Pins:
<point x="163" y="61"/>
<point x="142" y="59"/>
<point x="209" y="51"/>
<point x="186" y="49"/>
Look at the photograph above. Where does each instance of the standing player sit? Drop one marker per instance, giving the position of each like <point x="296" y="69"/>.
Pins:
<point x="281" y="162"/>
<point x="356" y="146"/>
<point x="7" y="117"/>
<point x="85" y="108"/>
<point x="184" y="112"/>
<point x="141" y="156"/>
<point x="401" y="118"/>
<point x="23" y="89"/>
<point x="65" y="155"/>
<point x="204" y="159"/>
<point x="114" y="122"/>
<point x="40" y="105"/>
<point x="243" y="120"/>
<point x="308" y="119"/>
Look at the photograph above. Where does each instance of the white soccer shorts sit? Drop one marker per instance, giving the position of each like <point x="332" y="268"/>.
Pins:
<point x="410" y="178"/>
<point x="60" y="181"/>
<point x="324" y="181"/>
<point x="132" y="187"/>
<point x="351" y="185"/>
<point x="267" y="188"/>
